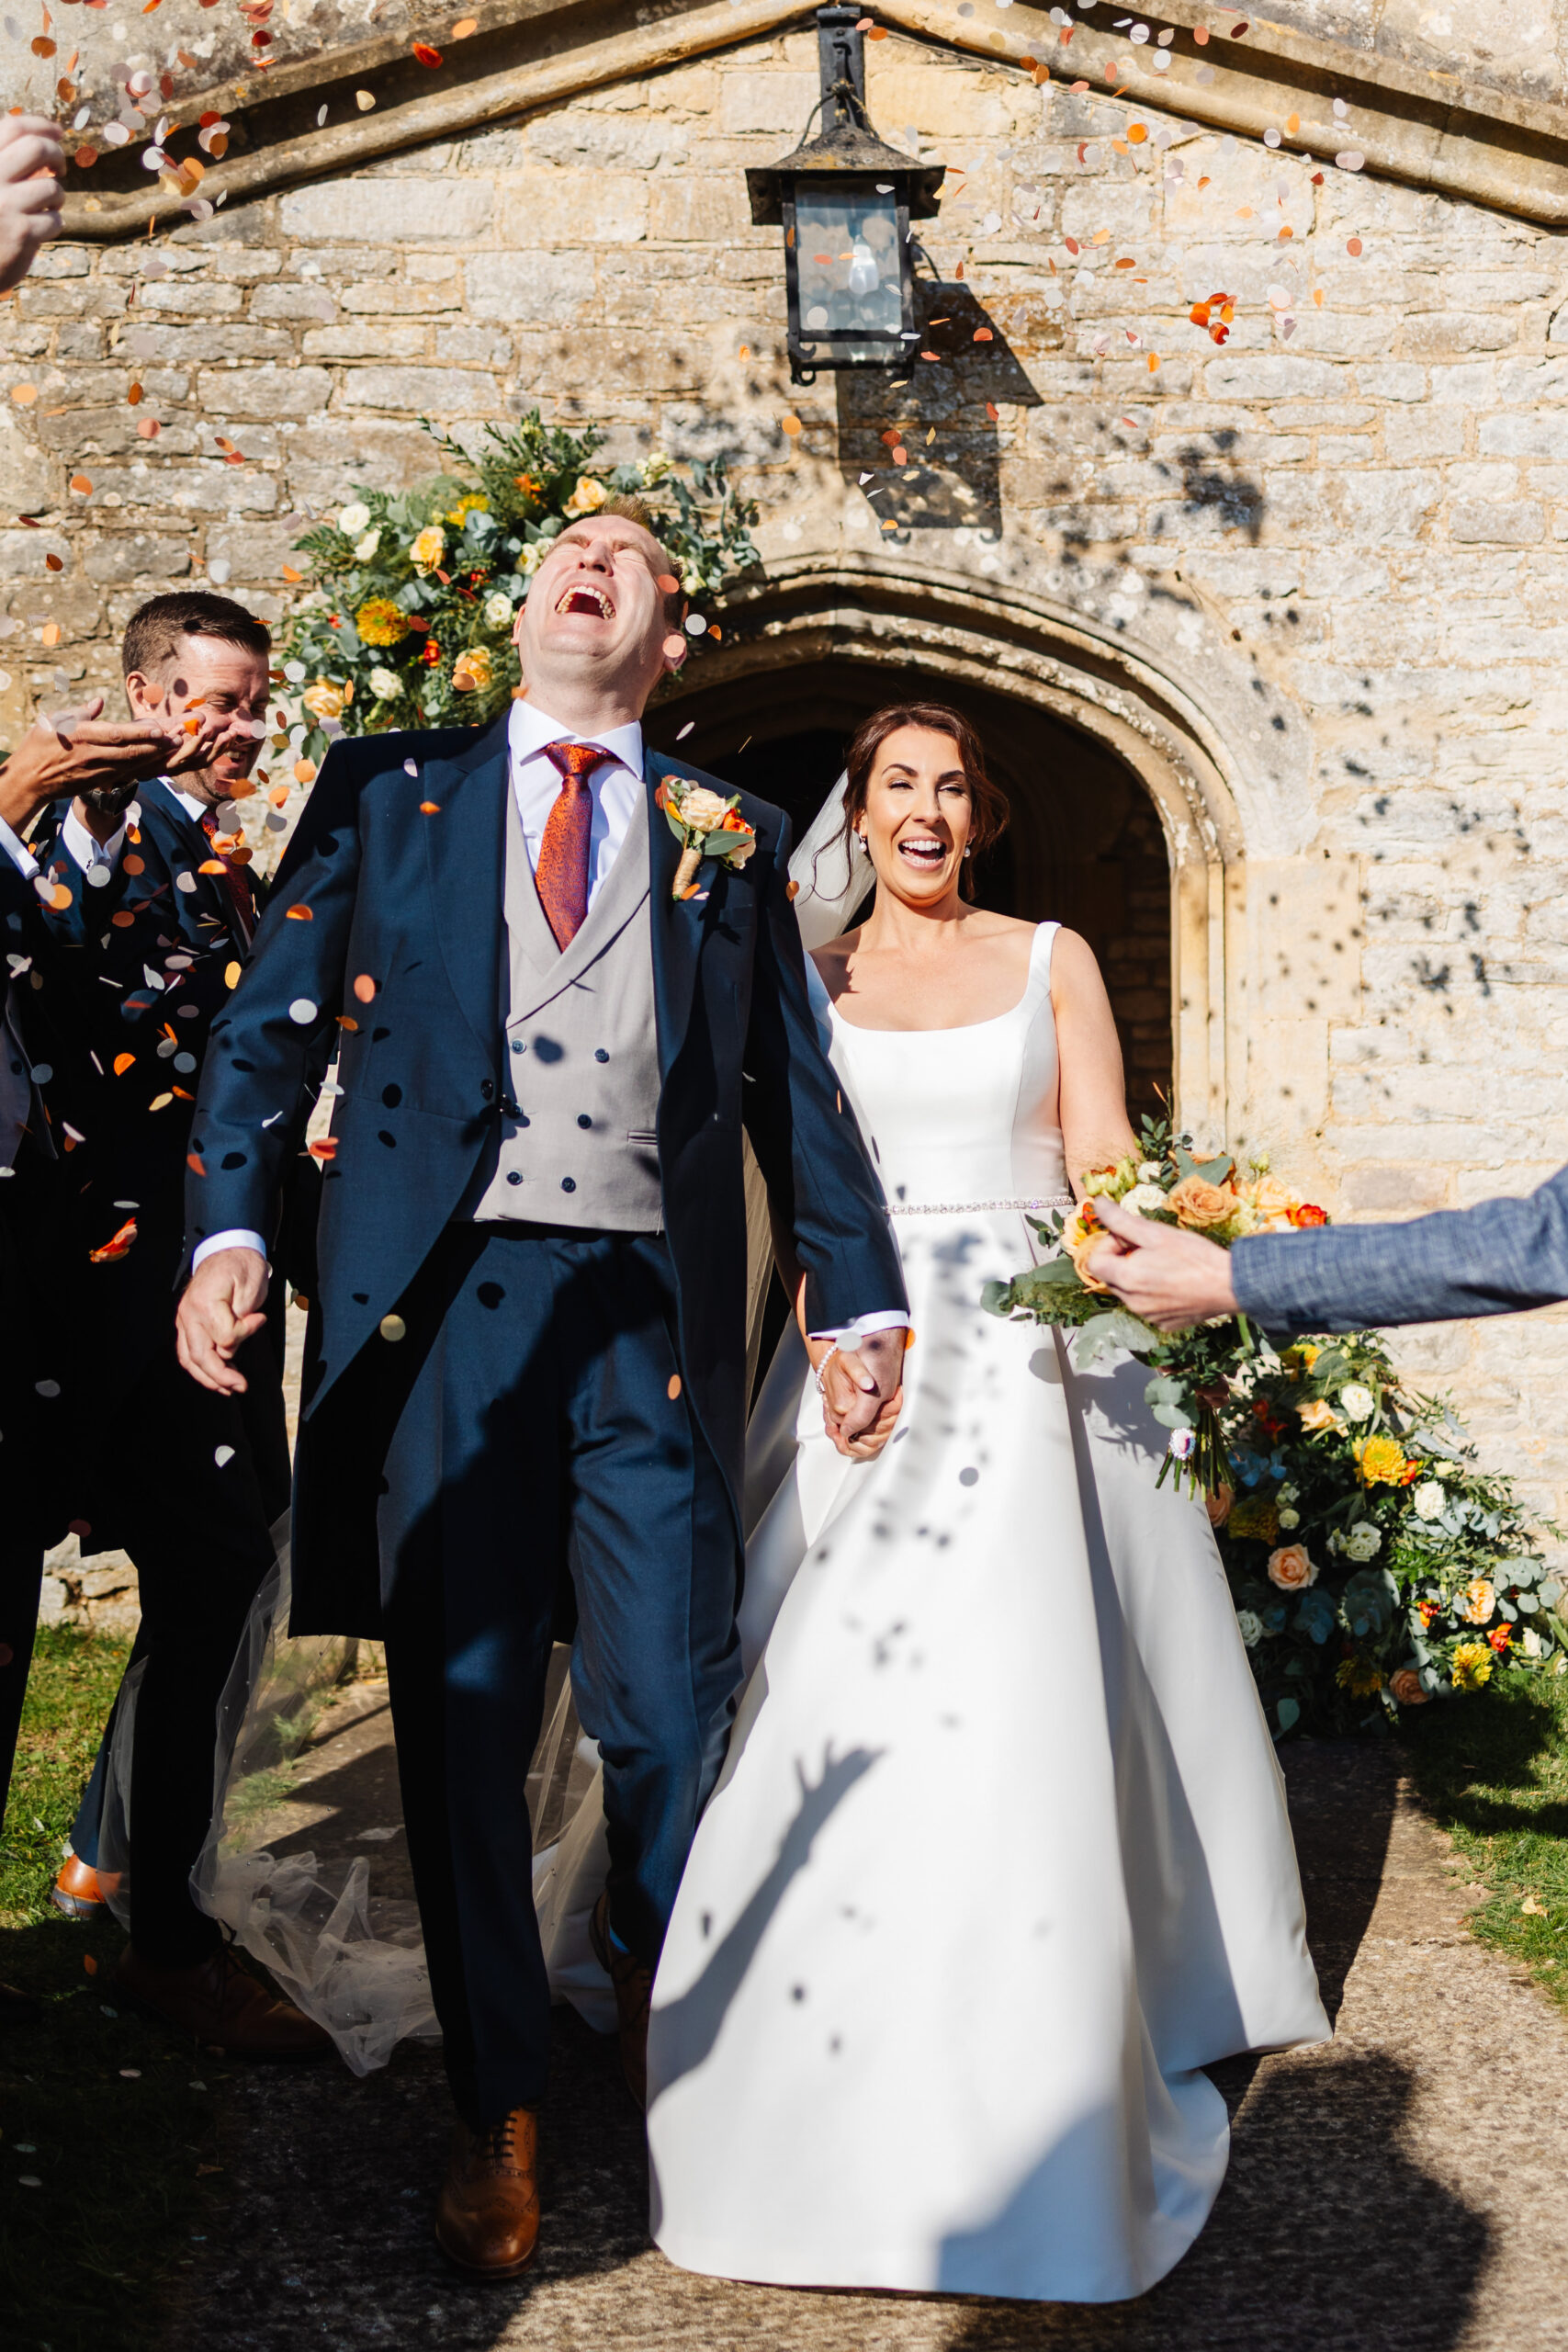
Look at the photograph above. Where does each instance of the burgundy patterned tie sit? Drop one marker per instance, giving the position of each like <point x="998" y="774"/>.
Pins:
<point x="561" y="874"/>
<point x="235" y="887"/>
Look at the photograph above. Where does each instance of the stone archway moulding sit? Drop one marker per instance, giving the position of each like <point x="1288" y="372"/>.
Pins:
<point x="995" y="636"/>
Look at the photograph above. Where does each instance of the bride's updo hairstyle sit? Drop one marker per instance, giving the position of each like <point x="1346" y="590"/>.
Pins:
<point x="988" y="801"/>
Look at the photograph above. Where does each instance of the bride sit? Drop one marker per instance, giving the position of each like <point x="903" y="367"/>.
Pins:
<point x="999" y="1859"/>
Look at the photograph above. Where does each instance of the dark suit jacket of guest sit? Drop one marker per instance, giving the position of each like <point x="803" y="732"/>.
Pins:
<point x="397" y="863"/>
<point x="1497" y="1259"/>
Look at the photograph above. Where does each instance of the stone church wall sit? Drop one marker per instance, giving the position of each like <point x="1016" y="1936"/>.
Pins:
<point x="1346" y="540"/>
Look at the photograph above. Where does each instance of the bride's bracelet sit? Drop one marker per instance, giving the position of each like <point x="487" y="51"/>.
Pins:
<point x="819" y="1370"/>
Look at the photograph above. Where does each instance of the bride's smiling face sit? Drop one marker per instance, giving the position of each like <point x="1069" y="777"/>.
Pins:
<point x="918" y="815"/>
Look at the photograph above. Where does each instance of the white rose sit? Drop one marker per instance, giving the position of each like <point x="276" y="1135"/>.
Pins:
<point x="654" y="468"/>
<point x="496" y="611"/>
<point x="1531" y="1642"/>
<point x="533" y="557"/>
<point x="1148" y="1171"/>
<point x="1357" y="1404"/>
<point x="1144" y="1198"/>
<point x="353" y="519"/>
<point x="1288" y="1518"/>
<point x="1445" y="1469"/>
<point x="1364" y="1540"/>
<point x="702" y="810"/>
<point x="1429" y="1498"/>
<point x="365" y="547"/>
<point x="1249" y="1625"/>
<point x="386" y="685"/>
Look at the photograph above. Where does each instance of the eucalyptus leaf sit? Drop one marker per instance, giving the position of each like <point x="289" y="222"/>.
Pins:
<point x="1109" y="1332"/>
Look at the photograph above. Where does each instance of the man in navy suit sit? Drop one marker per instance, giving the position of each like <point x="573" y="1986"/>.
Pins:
<point x="527" y="1340"/>
<point x="142" y="912"/>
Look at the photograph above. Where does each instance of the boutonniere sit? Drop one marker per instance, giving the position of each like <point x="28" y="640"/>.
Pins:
<point x="707" y="825"/>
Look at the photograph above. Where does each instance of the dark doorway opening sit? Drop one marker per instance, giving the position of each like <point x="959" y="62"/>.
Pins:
<point x="1084" y="846"/>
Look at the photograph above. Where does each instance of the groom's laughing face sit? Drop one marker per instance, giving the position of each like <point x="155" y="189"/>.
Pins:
<point x="597" y="602"/>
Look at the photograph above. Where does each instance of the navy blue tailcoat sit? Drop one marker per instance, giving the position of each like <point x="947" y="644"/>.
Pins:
<point x="384" y="935"/>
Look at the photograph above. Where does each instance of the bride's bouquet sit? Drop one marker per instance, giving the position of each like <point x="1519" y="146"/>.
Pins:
<point x="1195" y="1373"/>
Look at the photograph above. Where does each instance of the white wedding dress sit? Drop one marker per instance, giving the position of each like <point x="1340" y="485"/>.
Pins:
<point x="999" y="1859"/>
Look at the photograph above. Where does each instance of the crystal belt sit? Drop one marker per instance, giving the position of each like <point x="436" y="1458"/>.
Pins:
<point x="970" y="1208"/>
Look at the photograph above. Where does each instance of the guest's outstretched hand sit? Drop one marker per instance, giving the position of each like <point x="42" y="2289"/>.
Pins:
<point x="1169" y="1278"/>
<point x="79" y="753"/>
<point x="32" y="158"/>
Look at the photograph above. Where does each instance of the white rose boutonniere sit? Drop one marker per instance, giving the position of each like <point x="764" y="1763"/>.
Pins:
<point x="706" y="825"/>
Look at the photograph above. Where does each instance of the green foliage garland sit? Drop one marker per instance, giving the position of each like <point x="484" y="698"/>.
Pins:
<point x="410" y="620"/>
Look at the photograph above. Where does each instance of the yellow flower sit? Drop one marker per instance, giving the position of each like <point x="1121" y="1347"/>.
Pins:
<point x="472" y="672"/>
<point x="1202" y="1206"/>
<point x="381" y="622"/>
<point x="1382" y="1461"/>
<point x="1472" y="1664"/>
<point x="323" y="700"/>
<point x="471" y="503"/>
<point x="1479" y="1602"/>
<point x="587" y="498"/>
<point x="1256" y="1515"/>
<point x="1360" y="1677"/>
<point x="1117" y="1177"/>
<point x="1317" y="1413"/>
<point x="1081" y="1236"/>
<point x="428" y="548"/>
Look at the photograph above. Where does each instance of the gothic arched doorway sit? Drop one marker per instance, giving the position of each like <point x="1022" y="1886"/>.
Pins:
<point x="1085" y="846"/>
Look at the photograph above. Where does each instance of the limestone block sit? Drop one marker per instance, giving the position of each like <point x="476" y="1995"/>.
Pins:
<point x="193" y="345"/>
<point x="436" y="392"/>
<point x="530" y="288"/>
<point x="397" y="298"/>
<point x="554" y="208"/>
<point x="264" y="391"/>
<point x="1382" y="507"/>
<point x="212" y="490"/>
<point x="419" y="209"/>
<point x="1423" y="432"/>
<point x="379" y="339"/>
<point x="606" y="141"/>
<point x="701" y="207"/>
<point x="119" y="557"/>
<point x="295" y="301"/>
<point x="1307" y="919"/>
<point x="255" y="551"/>
<point x="1520" y="523"/>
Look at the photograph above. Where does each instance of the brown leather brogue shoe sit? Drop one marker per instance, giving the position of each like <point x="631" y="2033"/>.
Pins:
<point x="633" y="1982"/>
<point x="78" y="1891"/>
<point x="222" y="2005"/>
<point x="487" y="2216"/>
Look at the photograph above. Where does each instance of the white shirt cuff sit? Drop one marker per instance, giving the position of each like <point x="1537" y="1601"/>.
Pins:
<point x="87" y="851"/>
<point x="883" y="1319"/>
<point x="17" y="850"/>
<point x="236" y="1239"/>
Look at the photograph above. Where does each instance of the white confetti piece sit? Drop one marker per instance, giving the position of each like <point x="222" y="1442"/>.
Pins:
<point x="392" y="1327"/>
<point x="302" y="1010"/>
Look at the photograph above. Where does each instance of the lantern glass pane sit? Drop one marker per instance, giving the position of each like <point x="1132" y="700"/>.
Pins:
<point x="849" y="264"/>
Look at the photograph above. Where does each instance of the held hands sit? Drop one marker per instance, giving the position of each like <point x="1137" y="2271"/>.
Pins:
<point x="219" y="1311"/>
<point x="862" y="1392"/>
<point x="1171" y="1278"/>
<point x="32" y="157"/>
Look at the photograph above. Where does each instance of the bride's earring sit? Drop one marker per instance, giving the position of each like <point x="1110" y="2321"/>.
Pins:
<point x="968" y="848"/>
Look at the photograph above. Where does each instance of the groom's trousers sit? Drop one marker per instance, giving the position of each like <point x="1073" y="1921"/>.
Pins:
<point x="542" y="1429"/>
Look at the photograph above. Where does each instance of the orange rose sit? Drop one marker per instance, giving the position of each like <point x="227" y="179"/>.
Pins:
<point x="1315" y="1414"/>
<point x="1081" y="1236"/>
<point x="1291" y="1568"/>
<point x="1270" y="1199"/>
<point x="1406" y="1688"/>
<point x="1218" y="1506"/>
<point x="1200" y="1206"/>
<point x="1306" y="1214"/>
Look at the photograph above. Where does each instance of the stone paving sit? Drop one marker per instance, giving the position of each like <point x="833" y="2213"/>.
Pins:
<point x="1399" y="2187"/>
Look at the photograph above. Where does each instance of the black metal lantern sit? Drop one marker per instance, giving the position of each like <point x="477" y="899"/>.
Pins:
<point x="845" y="201"/>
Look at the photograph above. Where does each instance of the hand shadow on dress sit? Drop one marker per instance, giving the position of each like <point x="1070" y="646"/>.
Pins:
<point x="687" y="2026"/>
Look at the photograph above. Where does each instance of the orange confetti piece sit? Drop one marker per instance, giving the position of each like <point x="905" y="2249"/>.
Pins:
<point x="84" y="158"/>
<point x="134" y="397"/>
<point x="42" y="48"/>
<point x="24" y="394"/>
<point x="49" y="633"/>
<point x="790" y="425"/>
<point x="289" y="574"/>
<point x="426" y="55"/>
<point x="344" y="1023"/>
<point x="672" y="1386"/>
<point x="81" y="485"/>
<point x="1153" y="362"/>
<point x="430" y="808"/>
<point x="365" y="989"/>
<point x="1137" y="132"/>
<point x="993" y="412"/>
<point x="983" y="334"/>
<point x="304" y="770"/>
<point x="116" y="1246"/>
<point x="122" y="921"/>
<point x="149" y="428"/>
<point x="59" y="897"/>
<point x="1292" y="124"/>
<point x="326" y="1148"/>
<point x="1353" y="246"/>
<point x="464" y="27"/>
<point x="1201" y="35"/>
<point x="55" y="562"/>
<point x="299" y="914"/>
<point x="122" y="1062"/>
<point x="231" y="975"/>
<point x="194" y="1160"/>
<point x="89" y="1963"/>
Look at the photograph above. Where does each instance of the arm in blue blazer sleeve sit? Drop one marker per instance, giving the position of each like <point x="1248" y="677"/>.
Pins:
<point x="267" y="1053"/>
<point x="805" y="1135"/>
<point x="1497" y="1259"/>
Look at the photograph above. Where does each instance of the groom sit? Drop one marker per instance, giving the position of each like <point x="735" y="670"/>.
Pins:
<point x="527" y="1351"/>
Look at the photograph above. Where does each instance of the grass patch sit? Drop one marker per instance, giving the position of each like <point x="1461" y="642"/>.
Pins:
<point x="1493" y="1770"/>
<point x="99" y="2106"/>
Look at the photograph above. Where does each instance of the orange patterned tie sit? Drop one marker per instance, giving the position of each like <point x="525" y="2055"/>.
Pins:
<point x="561" y="874"/>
